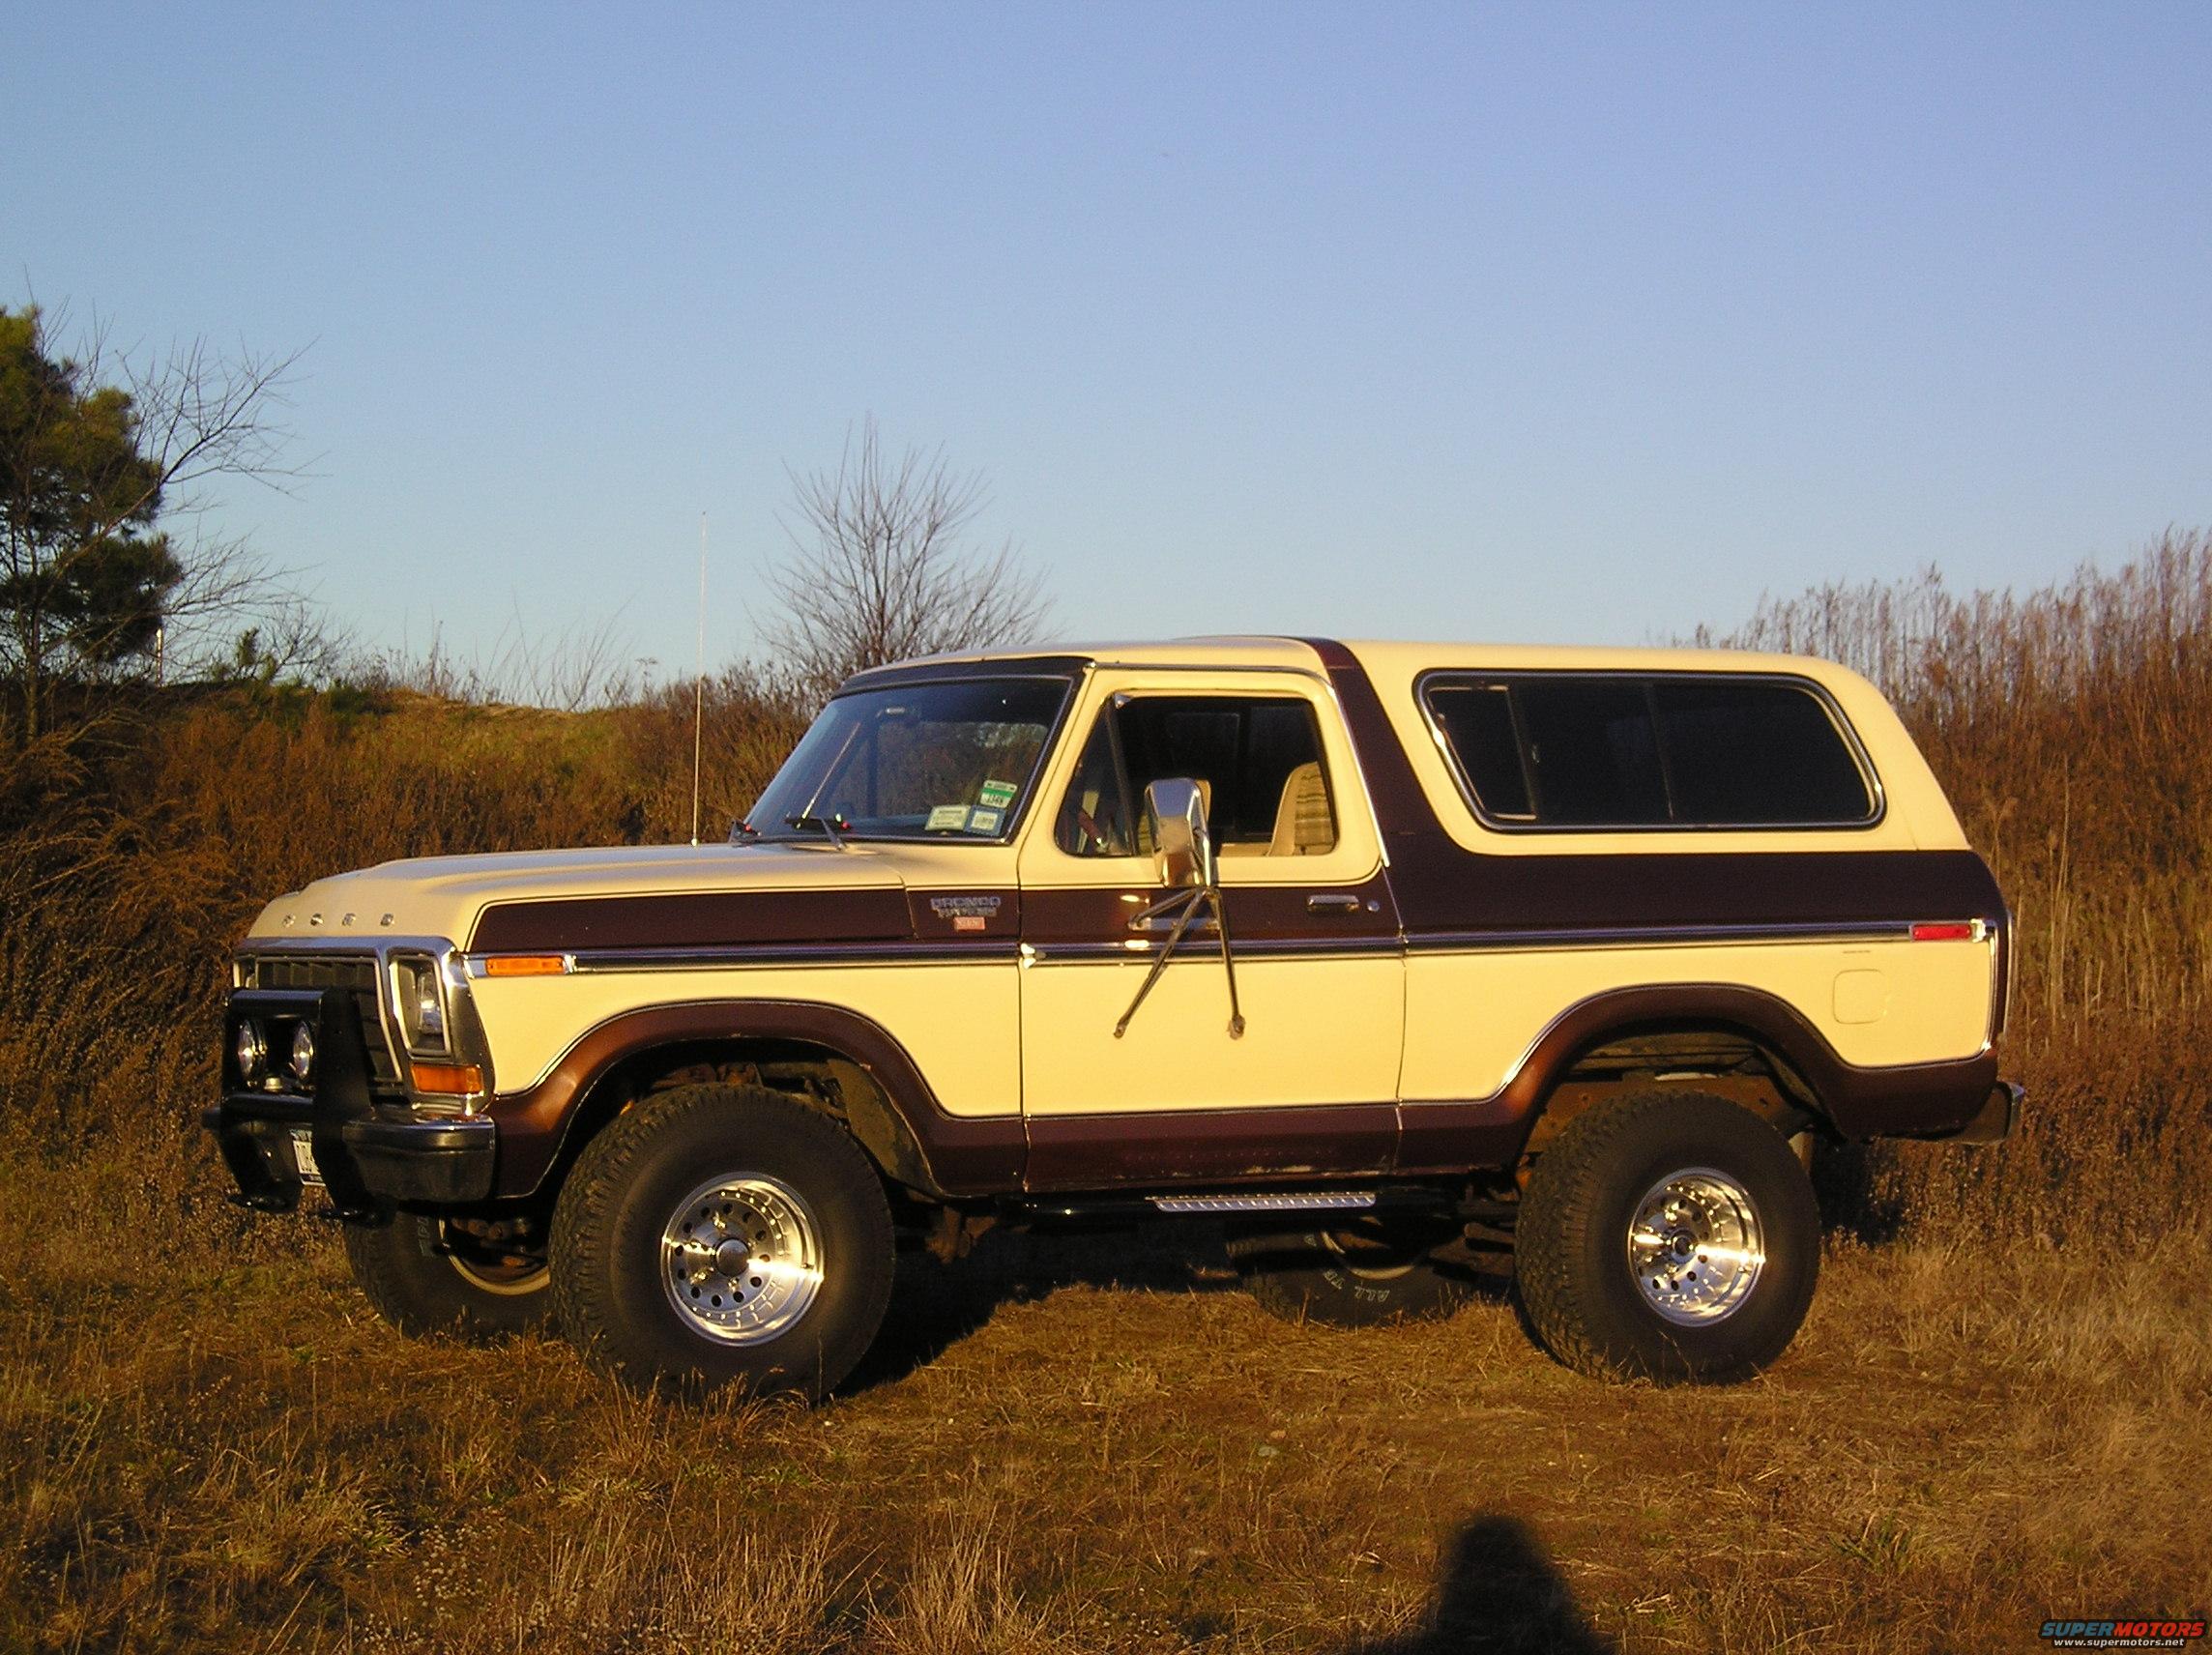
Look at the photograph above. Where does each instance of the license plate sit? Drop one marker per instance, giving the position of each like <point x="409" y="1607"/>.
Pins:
<point x="303" y="1157"/>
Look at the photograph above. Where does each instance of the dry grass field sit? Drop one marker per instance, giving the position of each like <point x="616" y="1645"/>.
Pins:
<point x="1080" y="1445"/>
<point x="2000" y="1409"/>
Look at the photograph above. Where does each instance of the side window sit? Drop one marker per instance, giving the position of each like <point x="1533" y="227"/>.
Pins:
<point x="1257" y="759"/>
<point x="1477" y="724"/>
<point x="1094" y="817"/>
<point x="1591" y="752"/>
<point x="1669" y="750"/>
<point x="1755" y="752"/>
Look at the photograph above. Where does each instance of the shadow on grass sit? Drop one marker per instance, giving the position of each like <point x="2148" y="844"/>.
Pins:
<point x="1497" y="1594"/>
<point x="935" y="1305"/>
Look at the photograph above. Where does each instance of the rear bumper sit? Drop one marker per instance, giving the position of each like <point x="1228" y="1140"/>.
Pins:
<point x="371" y="1155"/>
<point x="1997" y="1119"/>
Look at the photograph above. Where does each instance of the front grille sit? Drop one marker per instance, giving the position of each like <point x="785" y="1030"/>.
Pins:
<point x="357" y="973"/>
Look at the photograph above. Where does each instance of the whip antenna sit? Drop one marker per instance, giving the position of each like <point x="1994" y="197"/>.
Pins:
<point x="699" y="683"/>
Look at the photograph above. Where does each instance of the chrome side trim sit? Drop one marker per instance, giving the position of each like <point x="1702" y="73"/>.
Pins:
<point x="1006" y="951"/>
<point x="1656" y="935"/>
<point x="1314" y="1200"/>
<point x="996" y="952"/>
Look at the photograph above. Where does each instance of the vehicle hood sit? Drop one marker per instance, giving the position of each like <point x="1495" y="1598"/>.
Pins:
<point x="449" y="896"/>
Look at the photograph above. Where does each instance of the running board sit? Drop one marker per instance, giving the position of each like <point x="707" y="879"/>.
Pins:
<point x="1299" y="1200"/>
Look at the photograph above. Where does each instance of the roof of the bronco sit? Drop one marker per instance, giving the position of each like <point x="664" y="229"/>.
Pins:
<point x="1394" y="659"/>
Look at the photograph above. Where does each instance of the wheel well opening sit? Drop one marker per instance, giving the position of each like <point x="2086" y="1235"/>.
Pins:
<point x="819" y="1076"/>
<point x="1720" y="1059"/>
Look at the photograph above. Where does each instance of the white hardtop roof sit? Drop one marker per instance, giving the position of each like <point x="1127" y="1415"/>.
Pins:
<point x="1392" y="656"/>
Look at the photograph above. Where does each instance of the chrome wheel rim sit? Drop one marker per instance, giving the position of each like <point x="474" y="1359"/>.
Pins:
<point x="741" y="1259"/>
<point x="1696" y="1246"/>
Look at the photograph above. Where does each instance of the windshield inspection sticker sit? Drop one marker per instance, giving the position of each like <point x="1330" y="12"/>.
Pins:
<point x="967" y="912"/>
<point x="946" y="819"/>
<point x="981" y="821"/>
<point x="997" y="793"/>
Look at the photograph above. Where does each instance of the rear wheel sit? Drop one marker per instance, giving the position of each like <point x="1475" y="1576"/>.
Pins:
<point x="1670" y="1235"/>
<point x="1357" y="1273"/>
<point x="424" y="1276"/>
<point x="719" y="1235"/>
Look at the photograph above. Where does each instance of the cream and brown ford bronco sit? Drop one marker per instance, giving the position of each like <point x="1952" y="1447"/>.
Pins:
<point x="1381" y="954"/>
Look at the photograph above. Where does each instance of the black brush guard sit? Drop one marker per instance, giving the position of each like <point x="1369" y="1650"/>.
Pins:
<point x="372" y="1156"/>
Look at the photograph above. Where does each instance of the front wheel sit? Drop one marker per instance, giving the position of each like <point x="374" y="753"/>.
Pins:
<point x="1669" y="1236"/>
<point x="719" y="1235"/>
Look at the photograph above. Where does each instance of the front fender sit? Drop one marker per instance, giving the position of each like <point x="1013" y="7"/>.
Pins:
<point x="951" y="1155"/>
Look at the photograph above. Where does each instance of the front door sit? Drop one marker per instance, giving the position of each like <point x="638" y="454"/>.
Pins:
<point x="1309" y="1088"/>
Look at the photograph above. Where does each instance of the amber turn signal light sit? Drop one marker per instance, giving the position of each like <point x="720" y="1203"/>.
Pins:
<point x="526" y="965"/>
<point x="457" y="1080"/>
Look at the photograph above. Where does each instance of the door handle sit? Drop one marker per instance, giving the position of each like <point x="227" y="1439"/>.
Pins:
<point x="1332" y="902"/>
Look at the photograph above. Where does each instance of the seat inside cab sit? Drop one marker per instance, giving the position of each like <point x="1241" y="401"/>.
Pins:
<point x="1257" y="762"/>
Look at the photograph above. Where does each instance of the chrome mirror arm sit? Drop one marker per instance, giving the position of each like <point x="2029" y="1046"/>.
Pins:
<point x="1186" y="908"/>
<point x="1228" y="962"/>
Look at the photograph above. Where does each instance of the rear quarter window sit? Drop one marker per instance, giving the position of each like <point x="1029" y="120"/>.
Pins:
<point x="1667" y="750"/>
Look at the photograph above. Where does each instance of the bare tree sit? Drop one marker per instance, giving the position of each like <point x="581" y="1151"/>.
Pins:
<point x="881" y="568"/>
<point x="104" y="462"/>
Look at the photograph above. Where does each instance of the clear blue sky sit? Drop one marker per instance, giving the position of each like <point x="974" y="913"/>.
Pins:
<point x="1569" y="323"/>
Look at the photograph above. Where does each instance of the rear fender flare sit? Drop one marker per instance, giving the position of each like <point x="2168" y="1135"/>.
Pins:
<point x="1920" y="1099"/>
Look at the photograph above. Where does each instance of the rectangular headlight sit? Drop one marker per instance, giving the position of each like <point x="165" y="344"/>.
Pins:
<point x="418" y="998"/>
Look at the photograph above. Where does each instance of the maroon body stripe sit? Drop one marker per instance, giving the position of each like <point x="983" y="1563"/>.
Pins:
<point x="702" y="919"/>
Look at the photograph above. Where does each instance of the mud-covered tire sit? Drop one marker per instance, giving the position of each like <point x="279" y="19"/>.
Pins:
<point x="422" y="1285"/>
<point x="761" y="1214"/>
<point x="1354" y="1274"/>
<point x="1686" y="1183"/>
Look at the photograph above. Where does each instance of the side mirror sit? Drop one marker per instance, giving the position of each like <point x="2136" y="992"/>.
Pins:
<point x="1182" y="848"/>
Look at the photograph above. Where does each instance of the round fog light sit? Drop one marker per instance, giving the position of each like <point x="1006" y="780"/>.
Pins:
<point x="303" y="1053"/>
<point x="252" y="1049"/>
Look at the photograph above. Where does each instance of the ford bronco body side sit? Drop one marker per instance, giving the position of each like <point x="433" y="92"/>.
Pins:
<point x="1383" y="954"/>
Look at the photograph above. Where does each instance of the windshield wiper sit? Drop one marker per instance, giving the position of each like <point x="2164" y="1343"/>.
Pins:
<point x="831" y="827"/>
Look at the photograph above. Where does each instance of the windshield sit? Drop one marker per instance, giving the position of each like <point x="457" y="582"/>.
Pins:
<point x="949" y="759"/>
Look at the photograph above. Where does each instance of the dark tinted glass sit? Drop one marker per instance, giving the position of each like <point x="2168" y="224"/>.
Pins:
<point x="1670" y="750"/>
<point x="1591" y="752"/>
<point x="1477" y="722"/>
<point x="1757" y="754"/>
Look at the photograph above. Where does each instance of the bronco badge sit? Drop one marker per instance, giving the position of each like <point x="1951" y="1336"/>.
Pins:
<point x="967" y="912"/>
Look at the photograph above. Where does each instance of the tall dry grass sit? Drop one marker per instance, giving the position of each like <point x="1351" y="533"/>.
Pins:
<point x="133" y="856"/>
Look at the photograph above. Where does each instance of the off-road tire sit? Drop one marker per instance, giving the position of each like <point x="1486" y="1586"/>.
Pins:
<point x="1571" y="1242"/>
<point x="1336" y="1276"/>
<point x="420" y="1285"/>
<point x="629" y="1190"/>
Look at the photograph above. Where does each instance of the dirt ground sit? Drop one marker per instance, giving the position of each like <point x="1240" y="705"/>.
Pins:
<point x="1090" y="1445"/>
